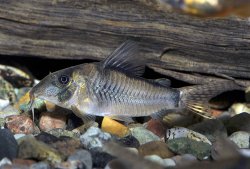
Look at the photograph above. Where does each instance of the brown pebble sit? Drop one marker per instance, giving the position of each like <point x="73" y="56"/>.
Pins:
<point x="23" y="162"/>
<point x="49" y="121"/>
<point x="156" y="127"/>
<point x="155" y="148"/>
<point x="67" y="146"/>
<point x="20" y="124"/>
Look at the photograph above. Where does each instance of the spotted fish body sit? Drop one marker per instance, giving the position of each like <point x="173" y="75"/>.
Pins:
<point x="114" y="88"/>
<point x="111" y="92"/>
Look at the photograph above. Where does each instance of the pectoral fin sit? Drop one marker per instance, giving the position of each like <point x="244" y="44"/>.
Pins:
<point x="126" y="119"/>
<point x="86" y="118"/>
<point x="161" y="114"/>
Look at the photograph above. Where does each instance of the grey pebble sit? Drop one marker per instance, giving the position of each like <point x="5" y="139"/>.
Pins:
<point x="143" y="135"/>
<point x="241" y="139"/>
<point x="8" y="144"/>
<point x="238" y="122"/>
<point x="5" y="161"/>
<point x="40" y="165"/>
<point x="18" y="136"/>
<point x="82" y="156"/>
<point x="164" y="162"/>
<point x="199" y="149"/>
<point x="210" y="128"/>
<point x="94" y="137"/>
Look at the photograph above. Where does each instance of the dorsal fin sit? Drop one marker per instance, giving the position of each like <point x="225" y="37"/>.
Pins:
<point x="126" y="59"/>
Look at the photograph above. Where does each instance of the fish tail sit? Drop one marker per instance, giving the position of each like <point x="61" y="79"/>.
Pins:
<point x="196" y="98"/>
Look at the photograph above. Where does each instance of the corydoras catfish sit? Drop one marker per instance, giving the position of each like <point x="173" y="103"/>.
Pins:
<point x="114" y="88"/>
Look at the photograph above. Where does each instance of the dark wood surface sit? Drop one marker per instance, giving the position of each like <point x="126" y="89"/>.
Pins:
<point x="74" y="29"/>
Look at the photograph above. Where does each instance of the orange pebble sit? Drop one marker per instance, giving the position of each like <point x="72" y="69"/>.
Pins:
<point x="114" y="127"/>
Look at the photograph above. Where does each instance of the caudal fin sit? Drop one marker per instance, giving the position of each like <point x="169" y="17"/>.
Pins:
<point x="196" y="98"/>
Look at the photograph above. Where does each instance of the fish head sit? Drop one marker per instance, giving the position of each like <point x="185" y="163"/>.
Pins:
<point x="60" y="87"/>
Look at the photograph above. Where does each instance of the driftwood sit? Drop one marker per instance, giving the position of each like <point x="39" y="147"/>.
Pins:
<point x="183" y="47"/>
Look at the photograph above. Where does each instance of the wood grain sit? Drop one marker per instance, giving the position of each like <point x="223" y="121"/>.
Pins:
<point x="91" y="29"/>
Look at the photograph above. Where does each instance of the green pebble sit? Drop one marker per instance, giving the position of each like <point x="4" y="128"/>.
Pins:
<point x="188" y="146"/>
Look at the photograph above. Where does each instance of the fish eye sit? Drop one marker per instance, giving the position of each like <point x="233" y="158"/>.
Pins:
<point x="64" y="79"/>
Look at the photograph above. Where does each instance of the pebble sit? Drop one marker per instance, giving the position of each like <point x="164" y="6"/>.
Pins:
<point x="113" y="127"/>
<point x="49" y="121"/>
<point x="175" y="119"/>
<point x="24" y="162"/>
<point x="2" y="122"/>
<point x="69" y="165"/>
<point x="238" y="108"/>
<point x="8" y="144"/>
<point x="4" y="103"/>
<point x="16" y="76"/>
<point x="29" y="147"/>
<point x="143" y="135"/>
<point x="185" y="159"/>
<point x="8" y="111"/>
<point x="156" y="127"/>
<point x="100" y="159"/>
<point x="245" y="152"/>
<point x="20" y="124"/>
<point x="4" y="161"/>
<point x="238" y="122"/>
<point x="181" y="132"/>
<point x="18" y="136"/>
<point x="158" y="148"/>
<point x="184" y="145"/>
<point x="46" y="138"/>
<point x="94" y="137"/>
<point x="159" y="160"/>
<point x="7" y="93"/>
<point x="62" y="132"/>
<point x="84" y="127"/>
<point x="82" y="158"/>
<point x="116" y="164"/>
<point x="223" y="148"/>
<point x="40" y="165"/>
<point x="241" y="139"/>
<point x="24" y="103"/>
<point x="128" y="141"/>
<point x="21" y="92"/>
<point x="210" y="128"/>
<point x="133" y="150"/>
<point x="66" y="145"/>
